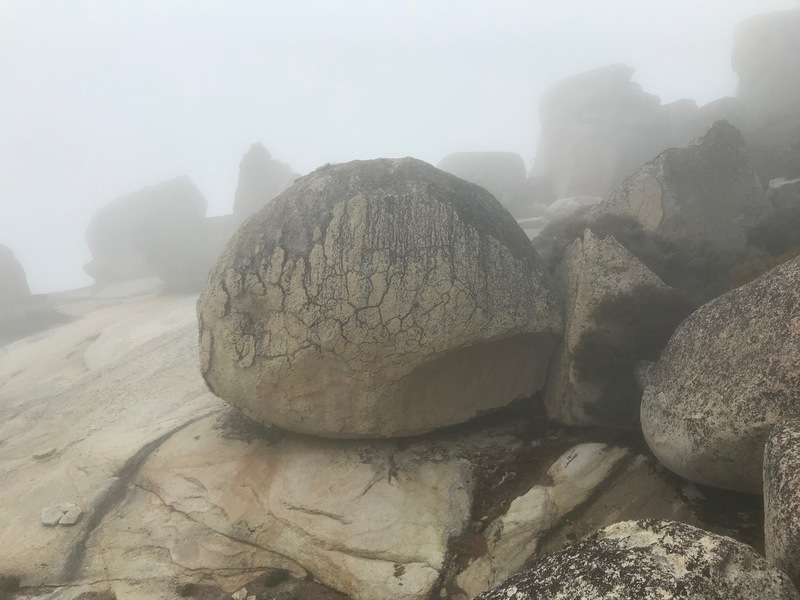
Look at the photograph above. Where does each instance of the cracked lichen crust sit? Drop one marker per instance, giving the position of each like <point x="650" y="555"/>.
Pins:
<point x="377" y="298"/>
<point x="650" y="560"/>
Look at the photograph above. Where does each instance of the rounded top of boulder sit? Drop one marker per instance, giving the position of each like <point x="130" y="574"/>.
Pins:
<point x="370" y="298"/>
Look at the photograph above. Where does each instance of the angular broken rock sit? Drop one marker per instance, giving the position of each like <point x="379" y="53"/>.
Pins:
<point x="594" y="270"/>
<point x="650" y="560"/>
<point x="375" y="299"/>
<point x="707" y="191"/>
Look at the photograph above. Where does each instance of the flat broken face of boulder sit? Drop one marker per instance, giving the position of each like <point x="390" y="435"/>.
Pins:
<point x="727" y="376"/>
<point x="261" y="178"/>
<point x="650" y="560"/>
<point x="706" y="191"/>
<point x="782" y="498"/>
<point x="375" y="299"/>
<point x="596" y="271"/>
<point x="503" y="174"/>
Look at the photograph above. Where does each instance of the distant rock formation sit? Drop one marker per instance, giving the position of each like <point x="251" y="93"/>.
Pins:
<point x="121" y="232"/>
<point x="260" y="179"/>
<point x="707" y="191"/>
<point x="503" y="174"/>
<point x="21" y="313"/>
<point x="766" y="56"/>
<point x="375" y="299"/>
<point x="598" y="127"/>
<point x="13" y="282"/>
<point x="182" y="252"/>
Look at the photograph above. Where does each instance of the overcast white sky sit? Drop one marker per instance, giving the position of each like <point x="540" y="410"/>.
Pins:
<point x="100" y="98"/>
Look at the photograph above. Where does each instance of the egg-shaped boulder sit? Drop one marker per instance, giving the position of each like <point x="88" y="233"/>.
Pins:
<point x="377" y="298"/>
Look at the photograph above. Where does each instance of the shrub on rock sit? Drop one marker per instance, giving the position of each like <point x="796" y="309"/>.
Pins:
<point x="377" y="298"/>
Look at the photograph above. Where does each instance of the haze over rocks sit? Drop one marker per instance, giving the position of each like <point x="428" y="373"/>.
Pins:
<point x="591" y="412"/>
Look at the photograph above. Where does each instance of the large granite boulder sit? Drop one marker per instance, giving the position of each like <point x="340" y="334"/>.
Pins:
<point x="707" y="191"/>
<point x="591" y="381"/>
<point x="650" y="560"/>
<point x="261" y="178"/>
<point x="766" y="56"/>
<point x="596" y="129"/>
<point x="120" y="233"/>
<point x="377" y="298"/>
<point x="13" y="282"/>
<point x="782" y="498"/>
<point x="727" y="376"/>
<point x="503" y="174"/>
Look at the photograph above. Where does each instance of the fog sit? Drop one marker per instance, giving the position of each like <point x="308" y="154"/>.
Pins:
<point x="100" y="99"/>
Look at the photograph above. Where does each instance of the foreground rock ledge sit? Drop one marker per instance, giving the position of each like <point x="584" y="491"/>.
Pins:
<point x="375" y="299"/>
<point x="650" y="560"/>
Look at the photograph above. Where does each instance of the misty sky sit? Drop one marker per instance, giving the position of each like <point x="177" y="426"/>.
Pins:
<point x="101" y="98"/>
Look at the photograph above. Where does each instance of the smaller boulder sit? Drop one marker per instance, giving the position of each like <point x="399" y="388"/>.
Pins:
<point x="727" y="376"/>
<point x="782" y="498"/>
<point x="650" y="560"/>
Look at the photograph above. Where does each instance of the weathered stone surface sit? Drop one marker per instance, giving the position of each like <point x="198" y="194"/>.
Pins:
<point x="766" y="56"/>
<point x="782" y="498"/>
<point x="13" y="283"/>
<point x="588" y="487"/>
<point x="727" y="376"/>
<point x="650" y="560"/>
<point x="503" y="174"/>
<point x="707" y="191"/>
<point x="377" y="298"/>
<point x="260" y="179"/>
<point x="594" y="271"/>
<point x="120" y="232"/>
<point x="596" y="129"/>
<point x="51" y="515"/>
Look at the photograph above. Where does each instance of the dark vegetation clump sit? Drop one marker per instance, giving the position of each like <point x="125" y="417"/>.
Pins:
<point x="699" y="269"/>
<point x="629" y="328"/>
